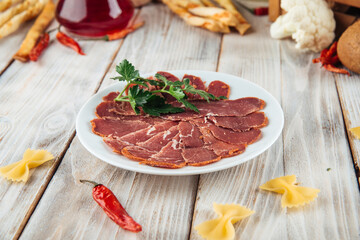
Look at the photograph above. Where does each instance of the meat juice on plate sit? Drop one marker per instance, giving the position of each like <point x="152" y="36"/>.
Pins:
<point x="94" y="18"/>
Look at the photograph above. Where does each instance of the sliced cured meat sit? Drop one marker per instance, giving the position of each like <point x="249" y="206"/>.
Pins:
<point x="144" y="150"/>
<point x="137" y="153"/>
<point x="160" y="140"/>
<point x="199" y="156"/>
<point x="147" y="133"/>
<point x="229" y="136"/>
<point x="220" y="148"/>
<point x="113" y="109"/>
<point x="241" y="124"/>
<point x="197" y="83"/>
<point x="111" y="96"/>
<point x="190" y="135"/>
<point x="116" y="127"/>
<point x="239" y="107"/>
<point x="170" y="156"/>
<point x="169" y="76"/>
<point x="117" y="144"/>
<point x="219" y="88"/>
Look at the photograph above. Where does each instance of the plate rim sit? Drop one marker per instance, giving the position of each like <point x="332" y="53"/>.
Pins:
<point x="172" y="172"/>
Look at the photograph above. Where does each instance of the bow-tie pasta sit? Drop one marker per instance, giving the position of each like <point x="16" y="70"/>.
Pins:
<point x="293" y="196"/>
<point x="19" y="171"/>
<point x="356" y="132"/>
<point x="222" y="227"/>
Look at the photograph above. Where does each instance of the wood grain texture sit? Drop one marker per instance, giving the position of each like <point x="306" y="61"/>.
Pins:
<point x="162" y="205"/>
<point x="38" y="106"/>
<point x="255" y="57"/>
<point x="10" y="44"/>
<point x="349" y="92"/>
<point x="314" y="140"/>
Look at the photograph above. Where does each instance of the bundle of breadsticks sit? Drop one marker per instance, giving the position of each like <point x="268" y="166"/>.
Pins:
<point x="206" y="14"/>
<point x="13" y="13"/>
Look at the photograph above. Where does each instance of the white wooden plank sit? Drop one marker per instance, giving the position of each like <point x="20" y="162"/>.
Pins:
<point x="163" y="205"/>
<point x="314" y="140"/>
<point x="10" y="45"/>
<point x="255" y="57"/>
<point x="38" y="105"/>
<point x="349" y="92"/>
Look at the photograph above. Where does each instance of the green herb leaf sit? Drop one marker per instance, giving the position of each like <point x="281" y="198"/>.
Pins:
<point x="189" y="105"/>
<point x="127" y="71"/>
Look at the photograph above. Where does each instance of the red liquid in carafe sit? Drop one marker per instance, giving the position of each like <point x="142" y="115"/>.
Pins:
<point x="94" y="18"/>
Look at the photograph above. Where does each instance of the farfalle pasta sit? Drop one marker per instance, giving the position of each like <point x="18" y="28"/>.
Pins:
<point x="355" y="132"/>
<point x="19" y="171"/>
<point x="222" y="227"/>
<point x="293" y="196"/>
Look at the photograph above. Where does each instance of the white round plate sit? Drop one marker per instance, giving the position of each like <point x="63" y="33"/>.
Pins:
<point x="239" y="88"/>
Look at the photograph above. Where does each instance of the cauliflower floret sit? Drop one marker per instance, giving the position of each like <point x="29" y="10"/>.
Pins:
<point x="310" y="23"/>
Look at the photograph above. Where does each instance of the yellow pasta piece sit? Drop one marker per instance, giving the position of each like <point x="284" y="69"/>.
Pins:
<point x="293" y="196"/>
<point x="222" y="227"/>
<point x="19" y="171"/>
<point x="356" y="132"/>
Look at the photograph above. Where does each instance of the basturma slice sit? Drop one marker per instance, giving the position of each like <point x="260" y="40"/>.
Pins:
<point x="220" y="148"/>
<point x="111" y="96"/>
<point x="199" y="156"/>
<point x="190" y="135"/>
<point x="144" y="150"/>
<point x="239" y="107"/>
<point x="229" y="136"/>
<point x="241" y="124"/>
<point x="114" y="109"/>
<point x="197" y="83"/>
<point x="117" y="144"/>
<point x="219" y="88"/>
<point x="116" y="127"/>
<point x="170" y="156"/>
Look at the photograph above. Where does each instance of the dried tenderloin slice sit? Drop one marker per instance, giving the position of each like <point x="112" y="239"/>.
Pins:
<point x="144" y="150"/>
<point x="197" y="83"/>
<point x="114" y="109"/>
<point x="199" y="156"/>
<point x="239" y="107"/>
<point x="190" y="135"/>
<point x="220" y="148"/>
<point x="219" y="88"/>
<point x="170" y="156"/>
<point x="241" y="124"/>
<point x="111" y="96"/>
<point x="117" y="144"/>
<point x="116" y="127"/>
<point x="232" y="137"/>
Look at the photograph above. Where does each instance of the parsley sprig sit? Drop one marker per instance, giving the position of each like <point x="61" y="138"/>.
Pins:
<point x="147" y="99"/>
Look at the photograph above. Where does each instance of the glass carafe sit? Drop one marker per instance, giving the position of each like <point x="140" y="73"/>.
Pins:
<point x="94" y="18"/>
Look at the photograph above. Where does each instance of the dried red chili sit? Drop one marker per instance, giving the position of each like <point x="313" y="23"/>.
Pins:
<point x="112" y="207"/>
<point x="122" y="33"/>
<point x="40" y="47"/>
<point x="69" y="42"/>
<point x="334" y="69"/>
<point x="328" y="58"/>
<point x="261" y="11"/>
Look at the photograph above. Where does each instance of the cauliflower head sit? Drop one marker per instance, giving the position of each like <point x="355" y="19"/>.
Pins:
<point x="310" y="23"/>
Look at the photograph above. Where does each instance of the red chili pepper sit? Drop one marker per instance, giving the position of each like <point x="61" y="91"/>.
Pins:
<point x="261" y="11"/>
<point x="122" y="33"/>
<point x="334" y="69"/>
<point x="112" y="207"/>
<point x="69" y="42"/>
<point x="332" y="50"/>
<point x="39" y="48"/>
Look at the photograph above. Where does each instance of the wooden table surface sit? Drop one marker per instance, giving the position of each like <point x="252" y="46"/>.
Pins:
<point x="39" y="103"/>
